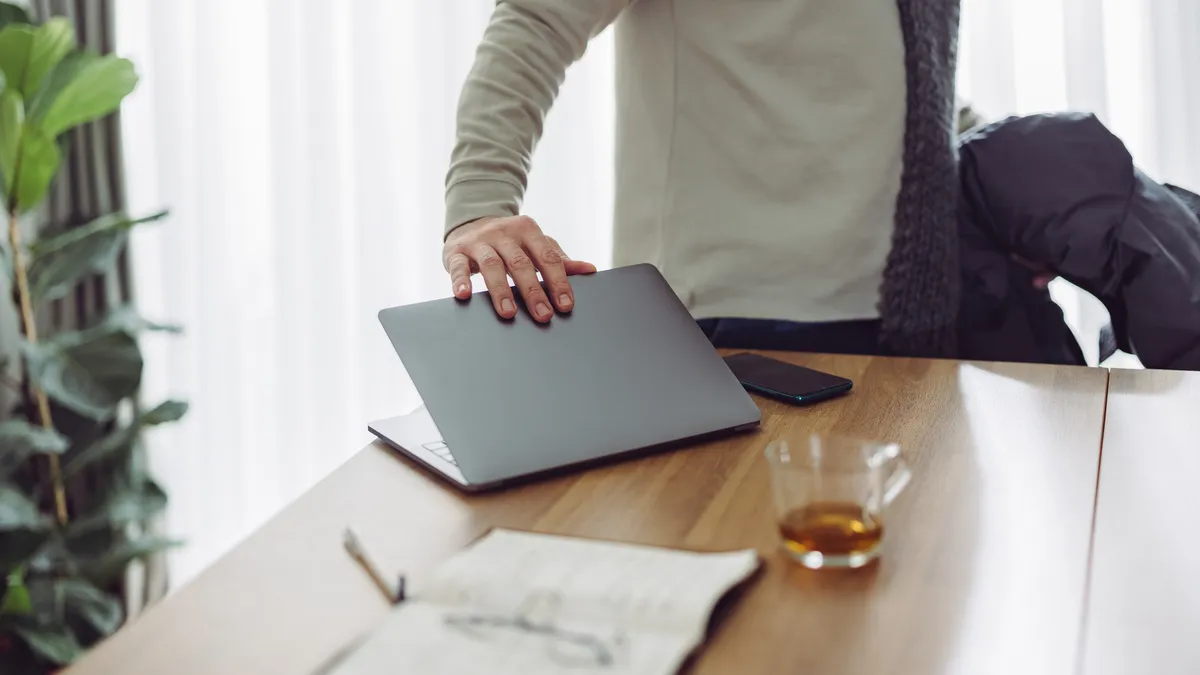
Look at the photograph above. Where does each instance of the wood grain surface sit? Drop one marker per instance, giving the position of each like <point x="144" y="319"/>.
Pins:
<point x="1144" y="606"/>
<point x="985" y="569"/>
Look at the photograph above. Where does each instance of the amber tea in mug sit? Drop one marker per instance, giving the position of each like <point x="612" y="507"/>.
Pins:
<point x="830" y="496"/>
<point x="831" y="529"/>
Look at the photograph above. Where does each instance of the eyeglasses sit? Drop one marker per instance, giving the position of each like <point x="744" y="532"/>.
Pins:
<point x="564" y="647"/>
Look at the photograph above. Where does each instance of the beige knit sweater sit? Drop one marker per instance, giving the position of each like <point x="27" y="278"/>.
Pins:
<point x="759" y="142"/>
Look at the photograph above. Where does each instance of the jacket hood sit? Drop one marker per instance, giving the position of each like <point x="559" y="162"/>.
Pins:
<point x="1062" y="191"/>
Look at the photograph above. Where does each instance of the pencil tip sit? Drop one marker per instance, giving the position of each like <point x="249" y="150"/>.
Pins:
<point x="350" y="539"/>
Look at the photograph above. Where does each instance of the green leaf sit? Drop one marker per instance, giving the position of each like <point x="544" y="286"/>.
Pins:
<point x="62" y="75"/>
<point x="79" y="429"/>
<point x="140" y="324"/>
<point x="36" y="165"/>
<point x="10" y="13"/>
<point x="165" y="413"/>
<point x="20" y="439"/>
<point x="16" y="48"/>
<point x="12" y="120"/>
<point x="89" y="371"/>
<point x="52" y="41"/>
<point x="126" y="319"/>
<point x="23" y="436"/>
<point x="27" y="53"/>
<point x="99" y="609"/>
<point x="44" y="598"/>
<point x="125" y="505"/>
<point x="58" y="263"/>
<point x="54" y="643"/>
<point x="52" y="560"/>
<point x="17" y="546"/>
<point x="107" y="568"/>
<point x="16" y="600"/>
<point x="122" y="439"/>
<point x="96" y="89"/>
<point x="18" y="512"/>
<point x="80" y="544"/>
<point x="76" y="235"/>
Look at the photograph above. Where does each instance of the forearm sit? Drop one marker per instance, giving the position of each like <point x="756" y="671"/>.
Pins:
<point x="519" y="67"/>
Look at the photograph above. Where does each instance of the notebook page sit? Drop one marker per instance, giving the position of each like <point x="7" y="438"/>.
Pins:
<point x="418" y="639"/>
<point x="640" y="587"/>
<point x="527" y="604"/>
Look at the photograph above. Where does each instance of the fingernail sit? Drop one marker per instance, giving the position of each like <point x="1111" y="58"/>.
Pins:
<point x="462" y="288"/>
<point x="564" y="300"/>
<point x="506" y="305"/>
<point x="543" y="310"/>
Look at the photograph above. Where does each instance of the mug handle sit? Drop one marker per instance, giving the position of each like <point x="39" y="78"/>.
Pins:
<point x="898" y="476"/>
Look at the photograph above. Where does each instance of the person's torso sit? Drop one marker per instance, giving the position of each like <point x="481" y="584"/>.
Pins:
<point x="759" y="152"/>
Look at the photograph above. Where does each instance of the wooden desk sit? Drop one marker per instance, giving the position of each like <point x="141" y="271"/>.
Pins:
<point x="985" y="574"/>
<point x="1144" y="605"/>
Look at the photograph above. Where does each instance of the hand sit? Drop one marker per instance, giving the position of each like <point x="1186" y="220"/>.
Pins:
<point x="512" y="246"/>
<point x="1043" y="274"/>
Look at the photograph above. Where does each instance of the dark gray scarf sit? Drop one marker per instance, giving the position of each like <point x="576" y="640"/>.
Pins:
<point x="920" y="296"/>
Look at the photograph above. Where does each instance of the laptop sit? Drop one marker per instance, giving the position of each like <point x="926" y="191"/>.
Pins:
<point x="627" y="372"/>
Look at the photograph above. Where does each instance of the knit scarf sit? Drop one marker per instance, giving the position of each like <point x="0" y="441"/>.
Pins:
<point x="921" y="287"/>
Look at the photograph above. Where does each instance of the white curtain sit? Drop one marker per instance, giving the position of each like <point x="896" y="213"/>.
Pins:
<point x="301" y="146"/>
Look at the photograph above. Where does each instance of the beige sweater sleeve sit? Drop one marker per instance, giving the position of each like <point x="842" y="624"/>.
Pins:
<point x="518" y="70"/>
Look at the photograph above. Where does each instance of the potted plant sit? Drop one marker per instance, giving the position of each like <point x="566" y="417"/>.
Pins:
<point x="77" y="419"/>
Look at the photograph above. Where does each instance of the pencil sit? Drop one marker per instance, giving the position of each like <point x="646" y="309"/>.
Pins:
<point x="355" y="548"/>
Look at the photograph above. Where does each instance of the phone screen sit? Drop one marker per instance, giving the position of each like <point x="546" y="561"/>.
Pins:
<point x="783" y="378"/>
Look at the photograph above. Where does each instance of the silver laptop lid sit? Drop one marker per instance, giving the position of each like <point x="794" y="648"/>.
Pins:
<point x="628" y="369"/>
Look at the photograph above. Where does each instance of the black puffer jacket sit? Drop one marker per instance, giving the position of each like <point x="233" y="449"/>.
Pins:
<point x="1062" y="192"/>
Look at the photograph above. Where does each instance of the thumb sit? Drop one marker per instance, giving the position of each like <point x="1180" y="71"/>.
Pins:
<point x="1042" y="281"/>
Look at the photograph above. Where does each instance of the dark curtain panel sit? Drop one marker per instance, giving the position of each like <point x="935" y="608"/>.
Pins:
<point x="90" y="184"/>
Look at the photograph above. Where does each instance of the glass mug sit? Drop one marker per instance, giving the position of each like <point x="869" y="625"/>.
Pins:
<point x="830" y="495"/>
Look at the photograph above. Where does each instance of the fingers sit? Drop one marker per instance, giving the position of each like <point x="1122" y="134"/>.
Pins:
<point x="549" y="259"/>
<point x="1043" y="274"/>
<point x="459" y="267"/>
<point x="491" y="266"/>
<point x="500" y="247"/>
<point x="524" y="274"/>
<point x="574" y="267"/>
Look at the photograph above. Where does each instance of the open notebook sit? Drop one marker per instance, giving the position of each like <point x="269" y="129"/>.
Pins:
<point x="525" y="604"/>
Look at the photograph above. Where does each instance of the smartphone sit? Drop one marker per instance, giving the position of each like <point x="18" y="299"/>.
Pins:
<point x="784" y="381"/>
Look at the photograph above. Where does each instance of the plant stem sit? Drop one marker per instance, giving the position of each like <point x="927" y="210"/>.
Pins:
<point x="30" y="325"/>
